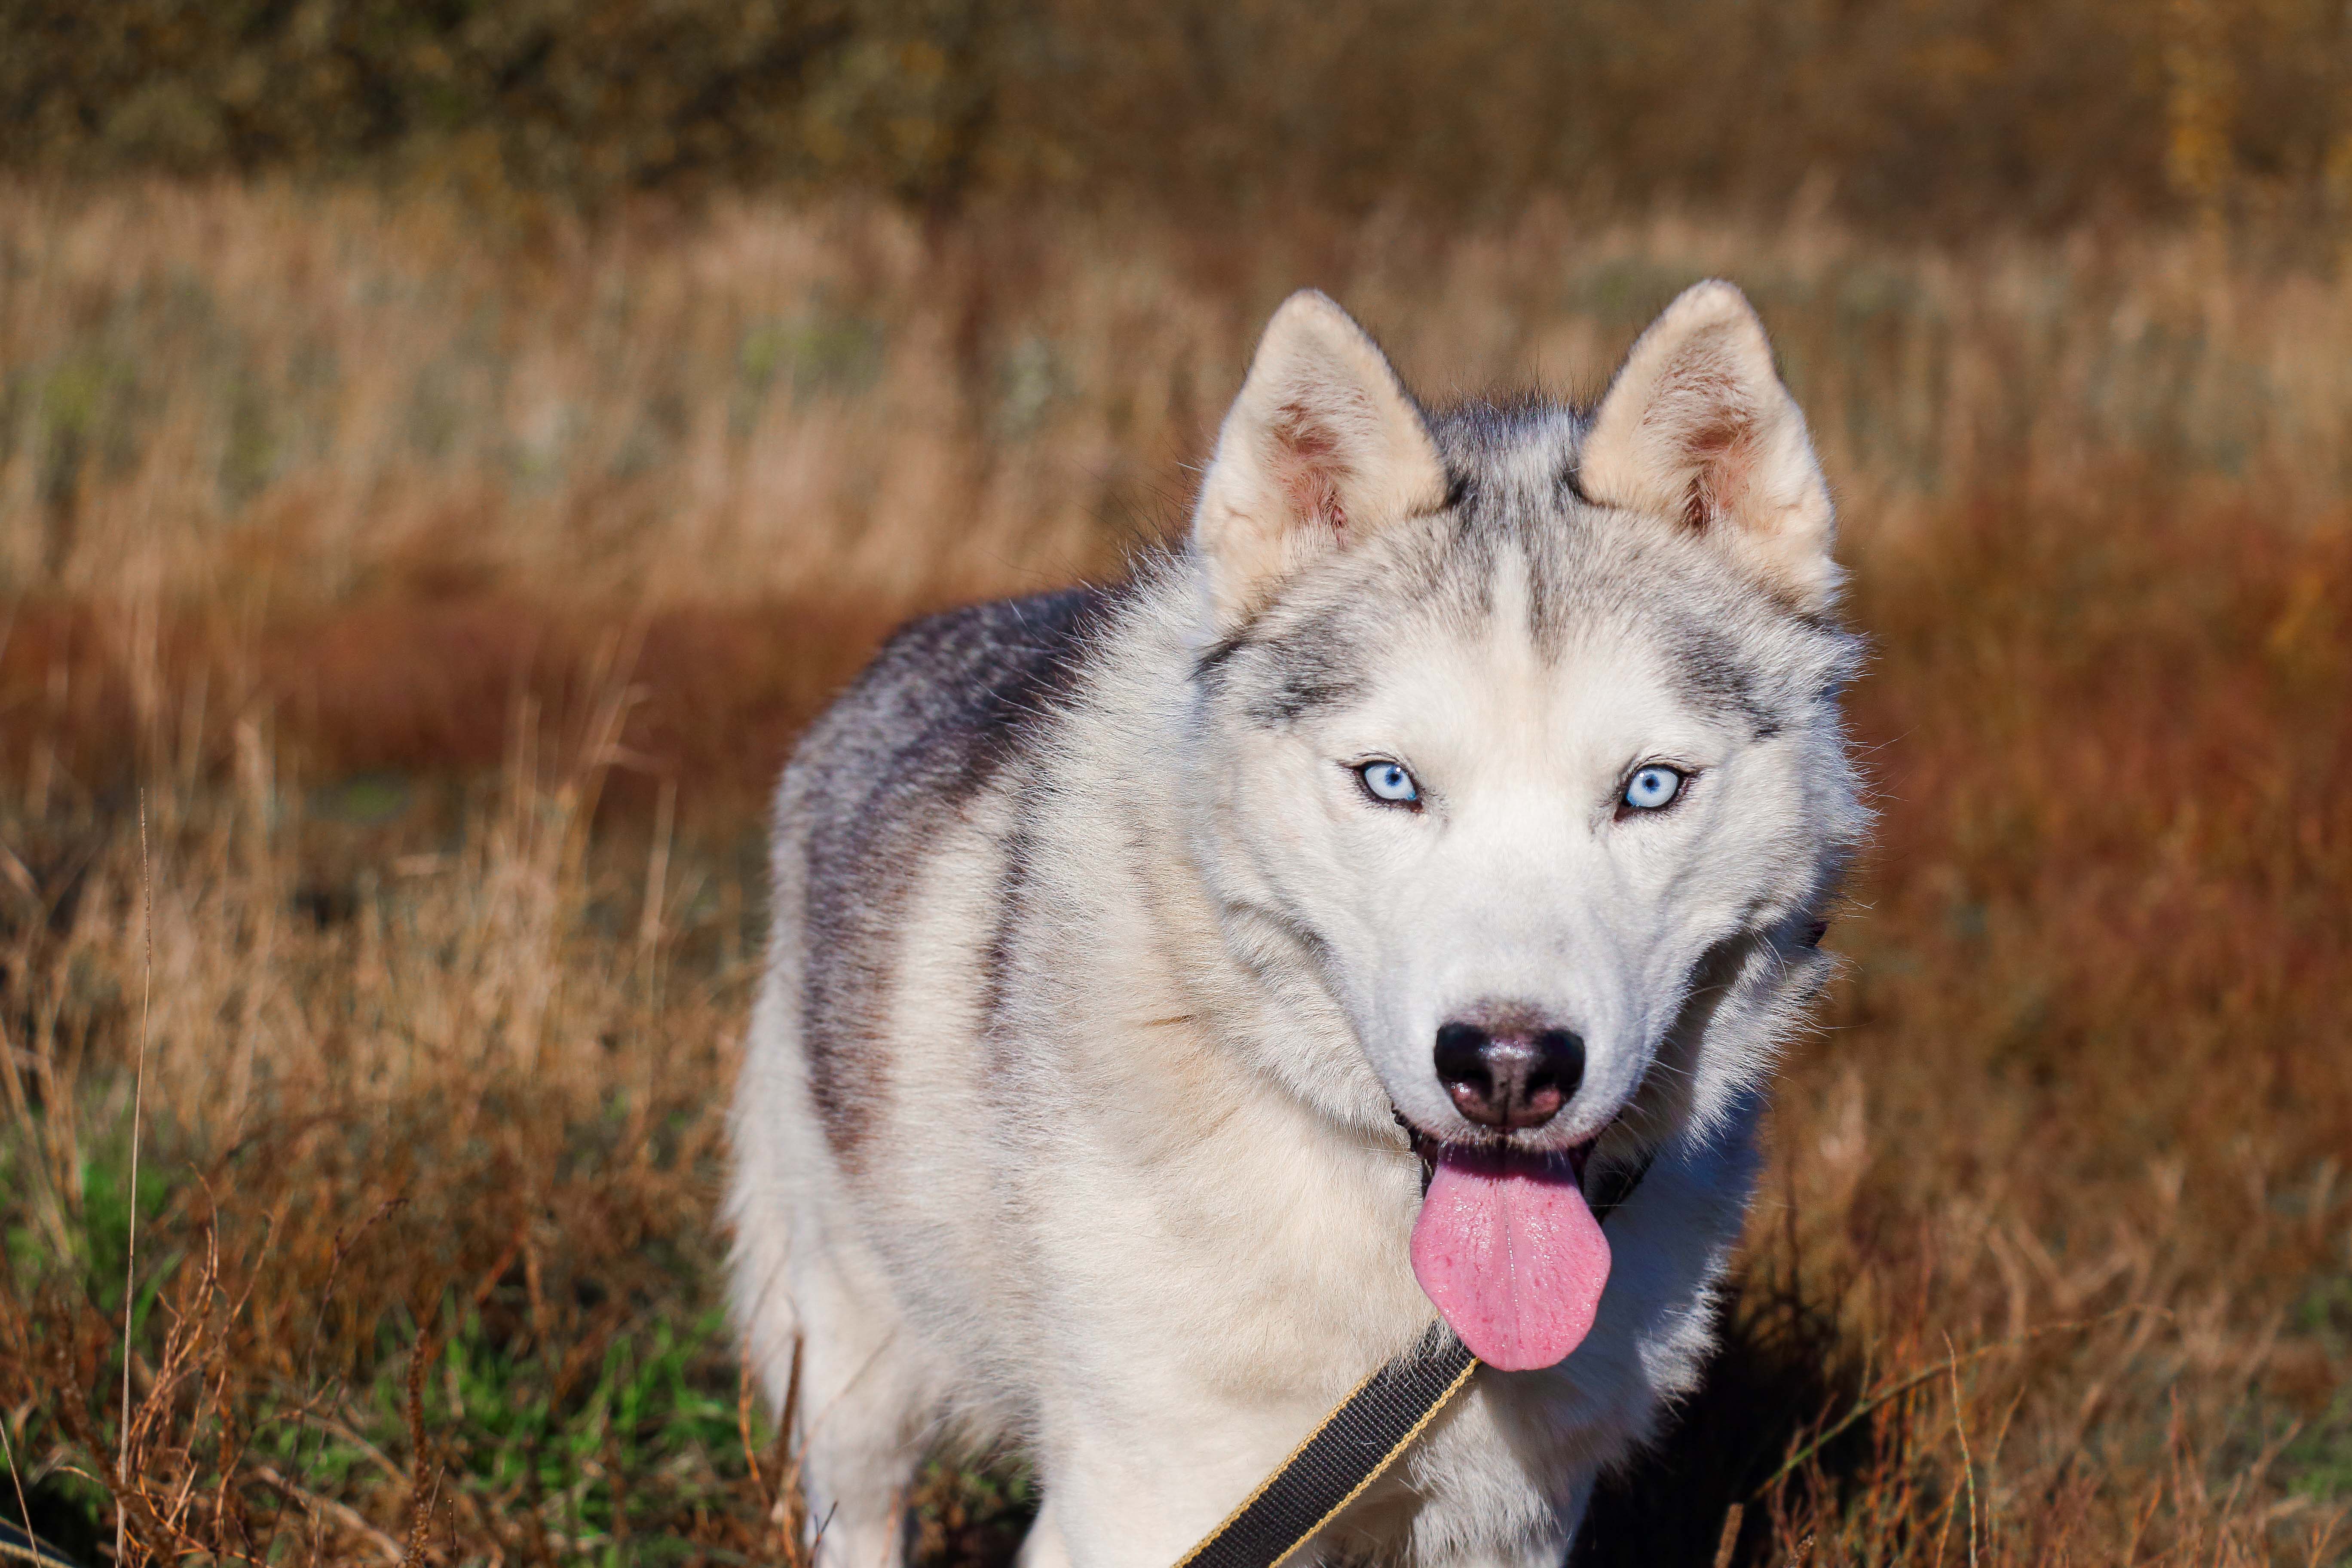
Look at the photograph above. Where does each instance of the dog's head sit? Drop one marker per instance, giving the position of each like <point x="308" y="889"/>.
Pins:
<point x="1517" y="731"/>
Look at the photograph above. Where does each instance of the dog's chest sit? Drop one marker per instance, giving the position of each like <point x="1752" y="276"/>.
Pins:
<point x="1259" y="1252"/>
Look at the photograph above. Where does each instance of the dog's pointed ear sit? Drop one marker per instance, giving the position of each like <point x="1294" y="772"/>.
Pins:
<point x="1698" y="429"/>
<point x="1322" y="449"/>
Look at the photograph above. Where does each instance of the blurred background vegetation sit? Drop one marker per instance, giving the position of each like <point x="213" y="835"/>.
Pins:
<point x="448" y="450"/>
<point x="1938" y="116"/>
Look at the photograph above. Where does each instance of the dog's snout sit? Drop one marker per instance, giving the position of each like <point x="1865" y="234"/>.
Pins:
<point x="1510" y="1077"/>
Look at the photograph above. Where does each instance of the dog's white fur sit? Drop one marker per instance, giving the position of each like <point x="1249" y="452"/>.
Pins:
<point x="1068" y="1120"/>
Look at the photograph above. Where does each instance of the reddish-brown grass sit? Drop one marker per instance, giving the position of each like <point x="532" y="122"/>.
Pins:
<point x="451" y="754"/>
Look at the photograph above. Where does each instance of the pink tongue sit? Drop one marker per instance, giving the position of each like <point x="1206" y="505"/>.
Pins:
<point x="1512" y="1257"/>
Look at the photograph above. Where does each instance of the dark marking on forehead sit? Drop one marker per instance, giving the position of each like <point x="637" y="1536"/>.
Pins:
<point x="1279" y="675"/>
<point x="1547" y="603"/>
<point x="945" y="709"/>
<point x="1309" y="681"/>
<point x="1705" y="664"/>
<point x="1521" y="510"/>
<point x="1211" y="662"/>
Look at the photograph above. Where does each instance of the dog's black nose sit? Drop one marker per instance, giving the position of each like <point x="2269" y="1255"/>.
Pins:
<point x="1508" y="1078"/>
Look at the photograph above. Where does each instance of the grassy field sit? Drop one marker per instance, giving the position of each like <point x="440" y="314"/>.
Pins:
<point x="400" y="622"/>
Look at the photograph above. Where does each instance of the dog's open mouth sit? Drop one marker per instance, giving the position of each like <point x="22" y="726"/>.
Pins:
<point x="1509" y="1251"/>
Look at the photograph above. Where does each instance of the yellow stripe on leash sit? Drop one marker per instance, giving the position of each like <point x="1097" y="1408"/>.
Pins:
<point x="1348" y="1449"/>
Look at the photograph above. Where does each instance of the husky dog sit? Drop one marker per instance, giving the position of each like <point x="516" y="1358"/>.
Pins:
<point x="1183" y="992"/>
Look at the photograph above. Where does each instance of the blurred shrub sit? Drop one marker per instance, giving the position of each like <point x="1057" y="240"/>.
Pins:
<point x="582" y="97"/>
<point x="1945" y="113"/>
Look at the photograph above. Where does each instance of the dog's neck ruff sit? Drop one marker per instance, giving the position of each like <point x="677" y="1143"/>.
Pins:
<point x="1362" y="1437"/>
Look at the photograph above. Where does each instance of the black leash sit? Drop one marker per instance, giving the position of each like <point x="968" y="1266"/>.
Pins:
<point x="1355" y="1445"/>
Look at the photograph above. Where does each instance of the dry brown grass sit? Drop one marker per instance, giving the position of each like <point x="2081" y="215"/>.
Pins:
<point x="448" y="604"/>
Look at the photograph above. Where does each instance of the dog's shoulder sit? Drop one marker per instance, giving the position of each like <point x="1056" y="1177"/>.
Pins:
<point x="947" y="701"/>
<point x="878" y="793"/>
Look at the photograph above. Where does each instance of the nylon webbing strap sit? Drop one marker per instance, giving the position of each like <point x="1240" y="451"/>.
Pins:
<point x="1357" y="1441"/>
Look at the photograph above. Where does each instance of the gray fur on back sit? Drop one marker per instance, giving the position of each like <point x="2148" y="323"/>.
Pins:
<point x="941" y="711"/>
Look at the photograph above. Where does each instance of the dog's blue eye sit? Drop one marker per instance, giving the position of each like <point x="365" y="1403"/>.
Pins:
<point x="1388" y="782"/>
<point x="1653" y="787"/>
